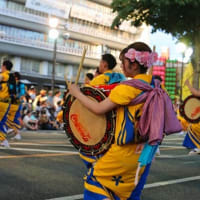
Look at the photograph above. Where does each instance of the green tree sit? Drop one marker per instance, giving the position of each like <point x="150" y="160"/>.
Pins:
<point x="181" y="18"/>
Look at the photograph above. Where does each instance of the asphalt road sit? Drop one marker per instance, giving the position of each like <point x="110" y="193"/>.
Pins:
<point x="44" y="165"/>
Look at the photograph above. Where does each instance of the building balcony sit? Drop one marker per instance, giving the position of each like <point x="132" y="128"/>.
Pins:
<point x="44" y="50"/>
<point x="77" y="31"/>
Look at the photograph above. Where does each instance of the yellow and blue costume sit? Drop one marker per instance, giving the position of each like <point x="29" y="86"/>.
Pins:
<point x="4" y="104"/>
<point x="108" y="77"/>
<point x="192" y="138"/>
<point x="13" y="118"/>
<point x="101" y="79"/>
<point x="113" y="174"/>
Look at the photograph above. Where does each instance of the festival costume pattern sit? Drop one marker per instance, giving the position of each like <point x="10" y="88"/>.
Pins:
<point x="192" y="138"/>
<point x="13" y="121"/>
<point x="108" y="77"/>
<point x="116" y="170"/>
<point x="14" y="114"/>
<point x="4" y="105"/>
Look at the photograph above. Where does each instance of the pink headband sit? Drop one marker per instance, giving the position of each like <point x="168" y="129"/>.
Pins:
<point x="143" y="57"/>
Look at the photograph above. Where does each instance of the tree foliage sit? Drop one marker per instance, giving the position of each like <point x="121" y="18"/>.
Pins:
<point x="181" y="18"/>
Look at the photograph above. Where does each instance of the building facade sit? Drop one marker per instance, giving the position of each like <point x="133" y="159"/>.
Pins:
<point x="24" y="28"/>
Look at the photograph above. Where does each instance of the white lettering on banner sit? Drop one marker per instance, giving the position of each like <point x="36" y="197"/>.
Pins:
<point x="57" y="8"/>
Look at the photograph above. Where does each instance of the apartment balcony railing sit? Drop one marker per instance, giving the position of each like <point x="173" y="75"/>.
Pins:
<point x="23" y="15"/>
<point x="91" y="31"/>
<point x="75" y="27"/>
<point x="46" y="46"/>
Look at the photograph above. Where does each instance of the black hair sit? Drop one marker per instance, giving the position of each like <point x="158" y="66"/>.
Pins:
<point x="157" y="77"/>
<point x="138" y="46"/>
<point x="17" y="75"/>
<point x="90" y="76"/>
<point x="56" y="92"/>
<point x="110" y="59"/>
<point x="8" y="64"/>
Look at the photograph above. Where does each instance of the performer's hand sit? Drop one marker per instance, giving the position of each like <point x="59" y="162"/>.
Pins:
<point x="74" y="90"/>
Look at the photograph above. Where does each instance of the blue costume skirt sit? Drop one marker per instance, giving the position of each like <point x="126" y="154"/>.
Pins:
<point x="192" y="139"/>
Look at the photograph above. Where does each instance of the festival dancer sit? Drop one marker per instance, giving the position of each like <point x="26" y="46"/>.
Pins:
<point x="4" y="100"/>
<point x="107" y="76"/>
<point x="192" y="138"/>
<point x="122" y="171"/>
<point x="14" y="115"/>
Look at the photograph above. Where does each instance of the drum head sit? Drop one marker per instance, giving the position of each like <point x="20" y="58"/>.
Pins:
<point x="83" y="123"/>
<point x="90" y="133"/>
<point x="190" y="109"/>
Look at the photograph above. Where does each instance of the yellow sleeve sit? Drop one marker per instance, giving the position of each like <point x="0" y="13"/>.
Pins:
<point x="5" y="76"/>
<point x="123" y="94"/>
<point x="99" y="80"/>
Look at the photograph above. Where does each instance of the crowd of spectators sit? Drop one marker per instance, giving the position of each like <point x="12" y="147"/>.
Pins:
<point x="42" y="111"/>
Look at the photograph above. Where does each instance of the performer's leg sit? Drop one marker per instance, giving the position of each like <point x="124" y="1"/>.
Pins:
<point x="13" y="121"/>
<point x="4" y="109"/>
<point x="192" y="141"/>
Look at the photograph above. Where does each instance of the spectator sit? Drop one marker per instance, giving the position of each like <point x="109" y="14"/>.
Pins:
<point x="31" y="94"/>
<point x="58" y="108"/>
<point x="29" y="122"/>
<point x="40" y="98"/>
<point x="45" y="122"/>
<point x="56" y="99"/>
<point x="50" y="99"/>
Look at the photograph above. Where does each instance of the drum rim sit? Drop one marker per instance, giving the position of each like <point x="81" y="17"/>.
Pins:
<point x="92" y="149"/>
<point x="182" y="111"/>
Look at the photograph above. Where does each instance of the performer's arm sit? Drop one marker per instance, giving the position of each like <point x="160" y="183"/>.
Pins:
<point x="96" y="107"/>
<point x="194" y="91"/>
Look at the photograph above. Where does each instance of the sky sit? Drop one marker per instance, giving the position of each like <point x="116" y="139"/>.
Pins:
<point x="161" y="39"/>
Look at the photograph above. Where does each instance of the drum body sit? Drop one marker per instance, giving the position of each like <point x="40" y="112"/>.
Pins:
<point x="90" y="133"/>
<point x="190" y="109"/>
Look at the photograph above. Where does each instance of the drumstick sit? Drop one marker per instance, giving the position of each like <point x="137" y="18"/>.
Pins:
<point x="79" y="69"/>
<point x="80" y="66"/>
<point x="66" y="81"/>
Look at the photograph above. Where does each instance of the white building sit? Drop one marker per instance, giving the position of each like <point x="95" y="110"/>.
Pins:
<point x="24" y="28"/>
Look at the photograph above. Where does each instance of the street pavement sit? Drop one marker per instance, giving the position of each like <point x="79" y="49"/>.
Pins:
<point x="45" y="166"/>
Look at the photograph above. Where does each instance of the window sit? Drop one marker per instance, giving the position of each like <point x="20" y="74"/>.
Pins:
<point x="29" y="65"/>
<point x="60" y="69"/>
